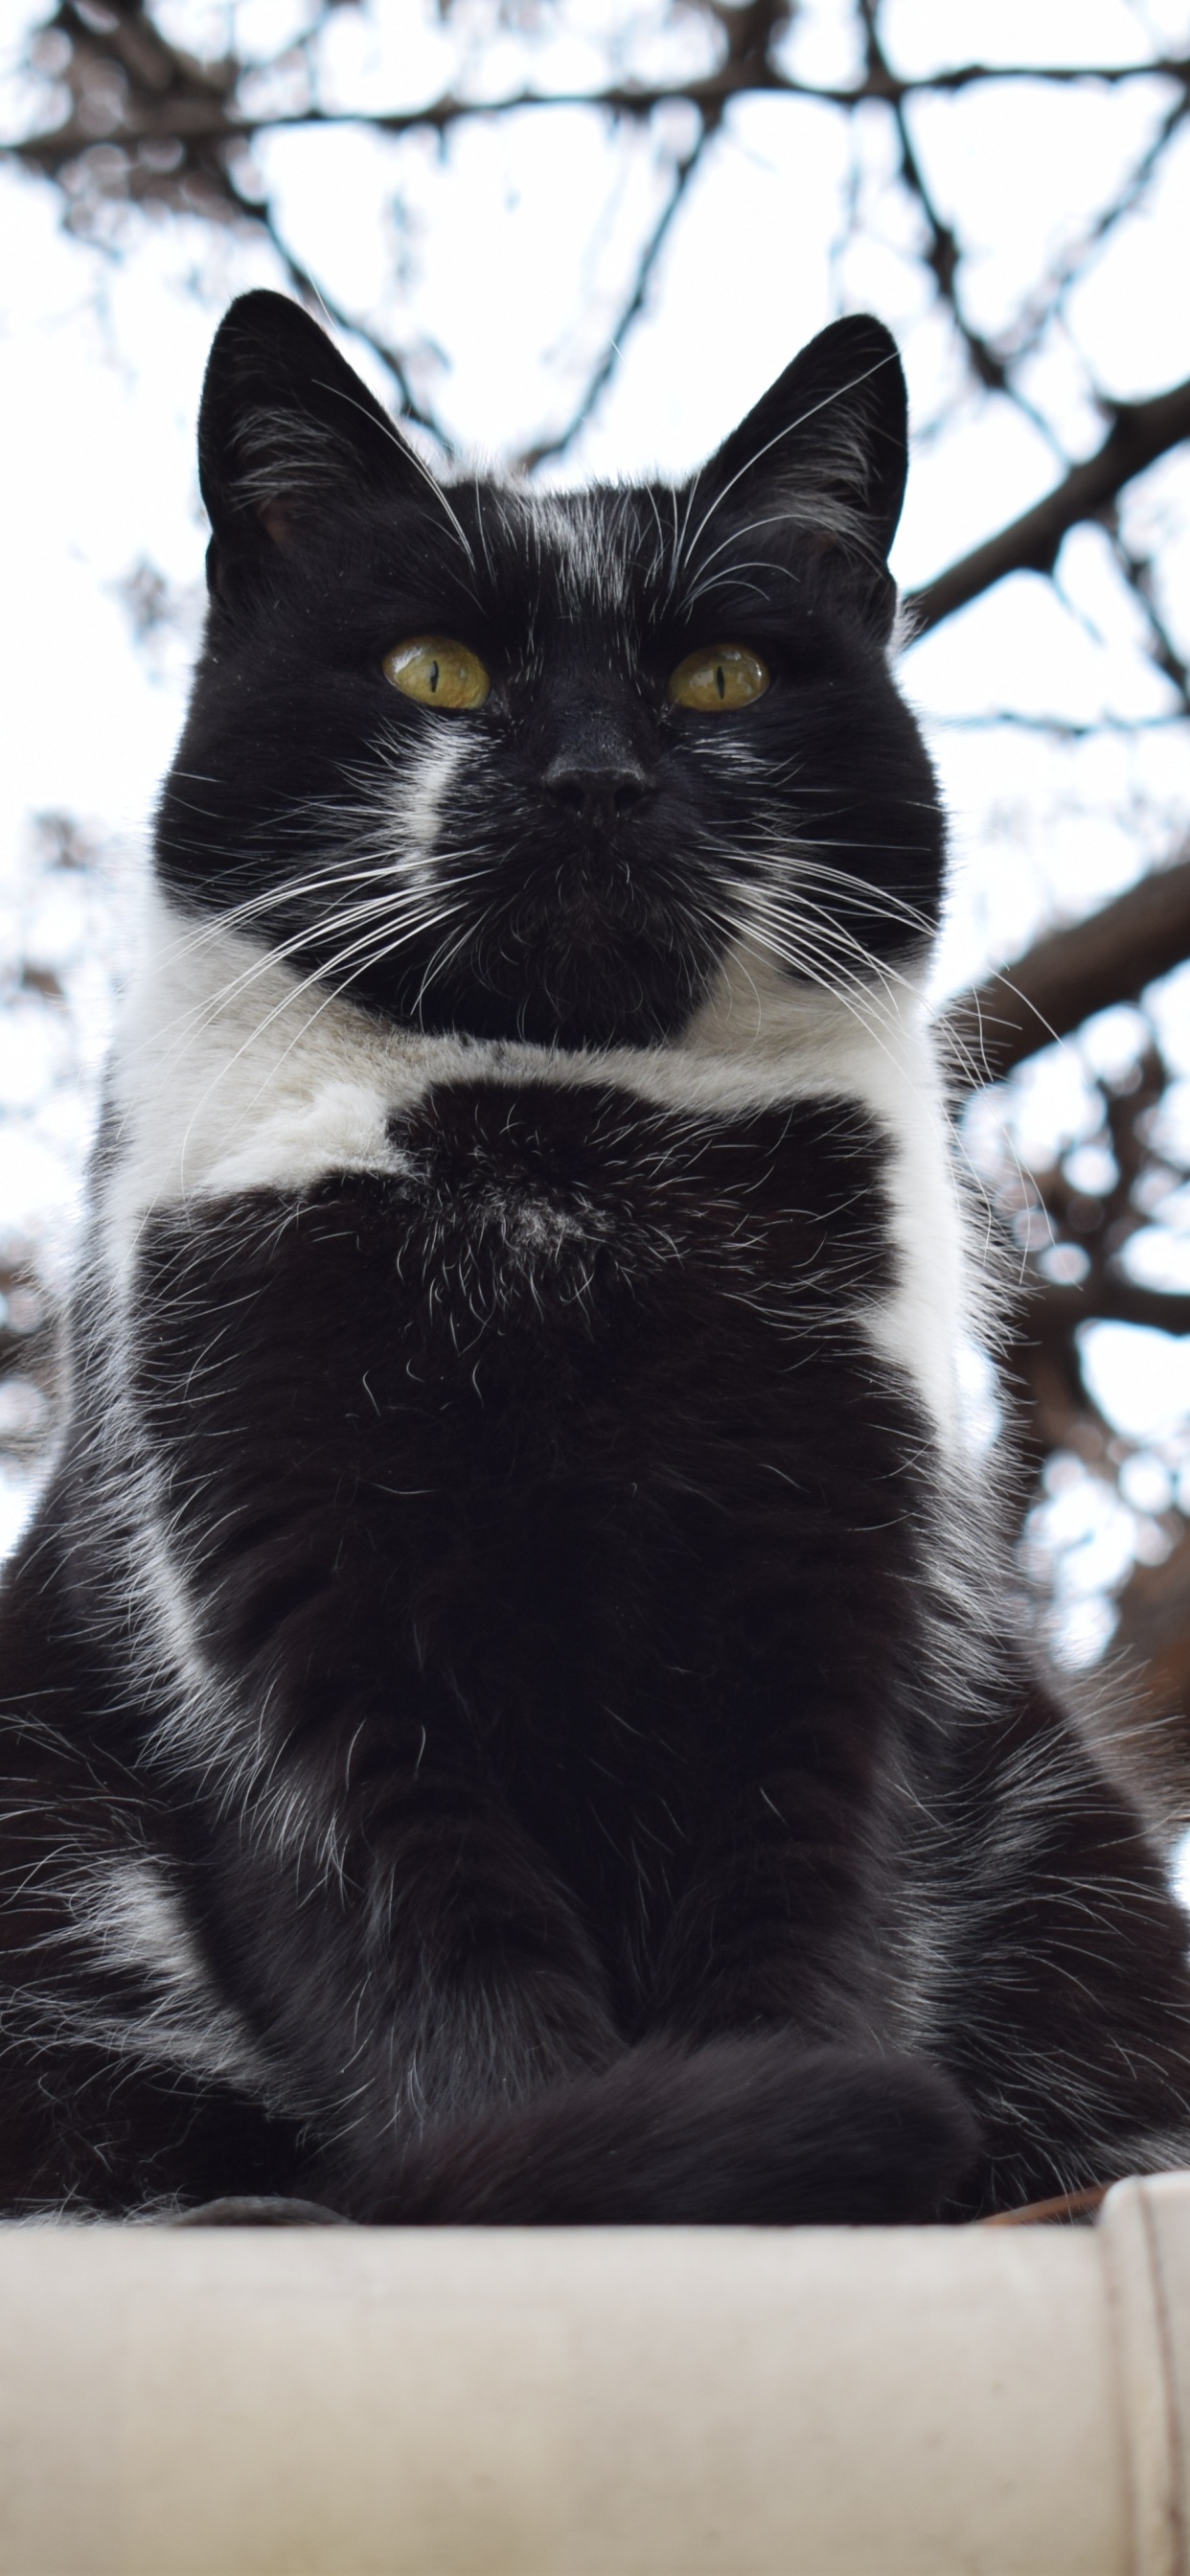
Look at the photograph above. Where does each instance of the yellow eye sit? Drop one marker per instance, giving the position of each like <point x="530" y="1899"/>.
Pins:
<point x="719" y="677"/>
<point x="437" y="672"/>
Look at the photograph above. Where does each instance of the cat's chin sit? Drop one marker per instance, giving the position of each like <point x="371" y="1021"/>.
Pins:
<point x="580" y="992"/>
<point x="548" y="1019"/>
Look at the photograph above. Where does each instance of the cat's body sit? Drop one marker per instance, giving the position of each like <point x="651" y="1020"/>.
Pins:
<point x="510" y="1703"/>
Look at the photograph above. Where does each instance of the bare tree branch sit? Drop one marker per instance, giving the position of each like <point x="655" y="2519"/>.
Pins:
<point x="166" y="94"/>
<point x="307" y="288"/>
<point x="1072" y="973"/>
<point x="1052" y="1310"/>
<point x="550" y="448"/>
<point x="1154" y="1635"/>
<point x="1140" y="433"/>
<point x="148" y="121"/>
<point x="1073" y="262"/>
<point x="942" y="253"/>
<point x="1140" y="573"/>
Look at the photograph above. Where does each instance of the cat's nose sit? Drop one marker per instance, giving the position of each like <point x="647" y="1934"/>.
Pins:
<point x="599" y="790"/>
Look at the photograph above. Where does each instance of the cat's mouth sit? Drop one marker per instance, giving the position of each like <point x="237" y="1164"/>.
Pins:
<point x="594" y="965"/>
<point x="590" y="975"/>
<point x="582" y="904"/>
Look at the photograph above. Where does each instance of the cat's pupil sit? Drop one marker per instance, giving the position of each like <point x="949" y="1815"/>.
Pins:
<point x="720" y="682"/>
<point x="434" y="667"/>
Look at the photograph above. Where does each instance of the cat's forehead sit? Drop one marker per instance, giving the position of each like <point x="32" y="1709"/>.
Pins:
<point x="599" y="551"/>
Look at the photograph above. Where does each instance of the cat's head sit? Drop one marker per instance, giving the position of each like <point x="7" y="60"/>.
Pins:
<point x="516" y="763"/>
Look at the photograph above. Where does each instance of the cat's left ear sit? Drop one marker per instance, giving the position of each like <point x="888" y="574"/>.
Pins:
<point x="825" y="451"/>
<point x="284" y="424"/>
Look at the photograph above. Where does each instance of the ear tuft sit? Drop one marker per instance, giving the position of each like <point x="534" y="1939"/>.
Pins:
<point x="284" y="424"/>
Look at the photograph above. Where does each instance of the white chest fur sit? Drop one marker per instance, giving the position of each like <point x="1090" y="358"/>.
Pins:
<point x="233" y="1074"/>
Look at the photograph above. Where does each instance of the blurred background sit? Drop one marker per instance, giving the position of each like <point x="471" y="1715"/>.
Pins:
<point x="582" y="236"/>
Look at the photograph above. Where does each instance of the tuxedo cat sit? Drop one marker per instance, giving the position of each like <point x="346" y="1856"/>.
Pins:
<point x="510" y="1703"/>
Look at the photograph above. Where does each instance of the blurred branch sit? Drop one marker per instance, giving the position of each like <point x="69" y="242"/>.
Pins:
<point x="146" y="121"/>
<point x="1072" y="973"/>
<point x="601" y="375"/>
<point x="131" y="89"/>
<point x="163" y="93"/>
<point x="1140" y="433"/>
<point x="1074" y="262"/>
<point x="1140" y="573"/>
<point x="1052" y="1311"/>
<point x="1044" y="1357"/>
<point x="942" y="253"/>
<point x="1154" y="1635"/>
<point x="310" y="293"/>
<point x="1063" y="728"/>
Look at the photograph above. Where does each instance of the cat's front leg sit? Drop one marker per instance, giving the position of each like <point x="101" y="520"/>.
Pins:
<point x="778" y="1949"/>
<point x="779" y="1925"/>
<point x="302" y="1565"/>
<point x="1056" y="1983"/>
<point x="399" y="1946"/>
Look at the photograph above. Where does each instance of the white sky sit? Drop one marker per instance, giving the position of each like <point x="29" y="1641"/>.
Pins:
<point x="512" y="249"/>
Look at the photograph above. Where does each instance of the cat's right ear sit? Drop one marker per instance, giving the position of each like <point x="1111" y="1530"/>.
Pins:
<point x="825" y="450"/>
<point x="284" y="424"/>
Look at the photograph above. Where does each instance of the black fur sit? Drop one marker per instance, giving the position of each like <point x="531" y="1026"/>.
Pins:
<point x="586" y="928"/>
<point x="511" y="1706"/>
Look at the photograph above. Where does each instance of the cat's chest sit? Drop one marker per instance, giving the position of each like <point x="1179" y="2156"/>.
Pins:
<point x="527" y="1251"/>
<point x="558" y="1215"/>
<point x="536" y="1188"/>
<point x="783" y="1153"/>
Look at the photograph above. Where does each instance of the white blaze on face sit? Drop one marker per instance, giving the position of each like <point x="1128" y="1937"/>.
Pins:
<point x="418" y="799"/>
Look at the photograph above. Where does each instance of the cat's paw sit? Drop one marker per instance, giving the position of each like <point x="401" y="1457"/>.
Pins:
<point x="826" y="2136"/>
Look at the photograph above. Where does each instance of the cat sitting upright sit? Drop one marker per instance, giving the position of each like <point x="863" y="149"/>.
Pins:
<point x="509" y="1698"/>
